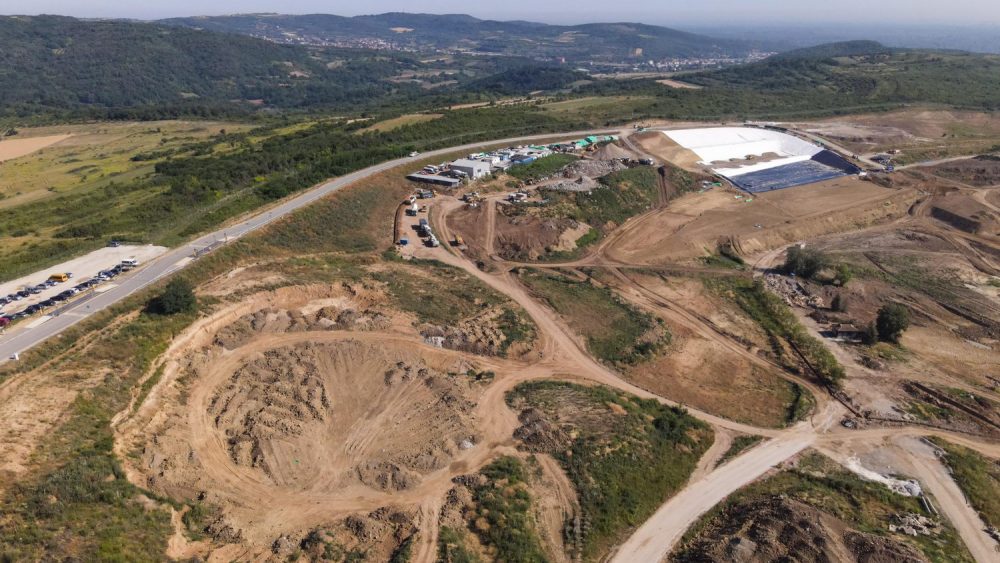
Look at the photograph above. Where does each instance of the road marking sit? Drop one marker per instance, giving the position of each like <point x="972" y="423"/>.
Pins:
<point x="39" y="321"/>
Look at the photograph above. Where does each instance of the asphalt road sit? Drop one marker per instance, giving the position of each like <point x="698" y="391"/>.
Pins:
<point x="19" y="338"/>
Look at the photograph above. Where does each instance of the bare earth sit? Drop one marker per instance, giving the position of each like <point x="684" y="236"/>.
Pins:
<point x="11" y="148"/>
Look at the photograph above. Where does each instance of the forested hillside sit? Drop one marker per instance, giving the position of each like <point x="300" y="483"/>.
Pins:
<point x="57" y="62"/>
<point x="598" y="41"/>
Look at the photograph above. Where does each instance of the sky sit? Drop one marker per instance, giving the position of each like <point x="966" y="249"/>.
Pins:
<point x="660" y="12"/>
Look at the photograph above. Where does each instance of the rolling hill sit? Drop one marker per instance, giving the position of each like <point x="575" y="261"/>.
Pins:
<point x="461" y="33"/>
<point x="59" y="62"/>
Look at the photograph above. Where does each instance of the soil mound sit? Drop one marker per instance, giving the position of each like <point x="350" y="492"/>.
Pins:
<point x="293" y="412"/>
<point x="612" y="151"/>
<point x="777" y="529"/>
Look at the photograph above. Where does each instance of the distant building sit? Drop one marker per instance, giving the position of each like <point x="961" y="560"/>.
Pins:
<point x="436" y="180"/>
<point x="474" y="169"/>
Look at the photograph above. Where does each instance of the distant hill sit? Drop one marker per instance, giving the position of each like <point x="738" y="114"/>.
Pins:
<point x="599" y="41"/>
<point x="834" y="50"/>
<point x="60" y="62"/>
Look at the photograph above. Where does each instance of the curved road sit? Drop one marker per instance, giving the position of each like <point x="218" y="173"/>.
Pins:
<point x="21" y="337"/>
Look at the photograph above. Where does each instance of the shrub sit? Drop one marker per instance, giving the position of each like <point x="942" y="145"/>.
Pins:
<point x="177" y="297"/>
<point x="893" y="319"/>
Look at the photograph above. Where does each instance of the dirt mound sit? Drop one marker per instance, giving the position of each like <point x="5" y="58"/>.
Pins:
<point x="277" y="405"/>
<point x="612" y="151"/>
<point x="540" y="435"/>
<point x="523" y="237"/>
<point x="279" y="320"/>
<point x="777" y="529"/>
<point x="595" y="168"/>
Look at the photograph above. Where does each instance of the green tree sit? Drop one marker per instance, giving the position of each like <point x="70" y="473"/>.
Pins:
<point x="804" y="262"/>
<point x="177" y="297"/>
<point x="893" y="319"/>
<point x="844" y="274"/>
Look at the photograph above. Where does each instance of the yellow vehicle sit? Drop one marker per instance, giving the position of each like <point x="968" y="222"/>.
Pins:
<point x="61" y="278"/>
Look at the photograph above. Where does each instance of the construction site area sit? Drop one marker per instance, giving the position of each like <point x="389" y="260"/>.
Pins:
<point x="653" y="346"/>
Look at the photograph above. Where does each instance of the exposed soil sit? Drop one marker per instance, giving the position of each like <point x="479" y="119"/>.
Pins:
<point x="11" y="148"/>
<point x="776" y="529"/>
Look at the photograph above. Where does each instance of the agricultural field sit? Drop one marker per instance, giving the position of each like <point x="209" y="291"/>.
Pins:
<point x="82" y="158"/>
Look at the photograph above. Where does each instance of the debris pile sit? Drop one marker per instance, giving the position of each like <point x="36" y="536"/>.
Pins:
<point x="792" y="291"/>
<point x="913" y="525"/>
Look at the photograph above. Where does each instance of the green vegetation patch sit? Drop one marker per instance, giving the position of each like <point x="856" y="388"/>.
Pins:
<point x="616" y="332"/>
<point x="541" y="168"/>
<point x="77" y="502"/>
<point x="503" y="517"/>
<point x="780" y="324"/>
<point x="821" y="483"/>
<point x="624" y="455"/>
<point x="443" y="295"/>
<point x="977" y="476"/>
<point x="740" y="444"/>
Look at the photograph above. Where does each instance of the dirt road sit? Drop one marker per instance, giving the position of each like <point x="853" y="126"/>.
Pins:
<point x="654" y="539"/>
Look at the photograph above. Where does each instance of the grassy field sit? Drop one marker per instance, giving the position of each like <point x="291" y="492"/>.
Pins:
<point x="740" y="444"/>
<point x="502" y="517"/>
<point x="541" y="168"/>
<point x="615" y="332"/>
<point x="601" y="108"/>
<point x="977" y="476"/>
<point x="771" y="313"/>
<point x="397" y="122"/>
<point x="624" y="455"/>
<point x="95" y="155"/>
<point x="821" y="483"/>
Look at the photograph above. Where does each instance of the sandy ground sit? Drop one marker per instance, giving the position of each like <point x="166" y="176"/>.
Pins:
<point x="11" y="148"/>
<point x="287" y="421"/>
<point x="692" y="225"/>
<point x="678" y="84"/>
<point x="82" y="268"/>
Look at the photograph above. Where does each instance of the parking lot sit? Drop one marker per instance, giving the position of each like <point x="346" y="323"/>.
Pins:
<point x="39" y="292"/>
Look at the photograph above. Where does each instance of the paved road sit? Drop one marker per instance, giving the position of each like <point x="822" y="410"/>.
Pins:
<point x="21" y="338"/>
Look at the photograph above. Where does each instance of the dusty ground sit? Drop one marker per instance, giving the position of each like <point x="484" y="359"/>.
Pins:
<point x="313" y="414"/>
<point x="13" y="147"/>
<point x="692" y="225"/>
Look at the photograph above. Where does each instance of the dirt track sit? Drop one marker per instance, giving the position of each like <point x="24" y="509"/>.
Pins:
<point x="562" y="354"/>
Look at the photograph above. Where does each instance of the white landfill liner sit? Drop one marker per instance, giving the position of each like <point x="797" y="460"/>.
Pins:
<point x="722" y="144"/>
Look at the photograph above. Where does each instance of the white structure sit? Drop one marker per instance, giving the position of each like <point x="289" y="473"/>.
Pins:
<point x="717" y="145"/>
<point x="474" y="169"/>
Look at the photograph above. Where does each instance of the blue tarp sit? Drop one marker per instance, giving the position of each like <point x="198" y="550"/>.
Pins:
<point x="825" y="165"/>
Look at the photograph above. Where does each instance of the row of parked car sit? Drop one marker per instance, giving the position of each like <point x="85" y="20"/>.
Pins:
<point x="101" y="277"/>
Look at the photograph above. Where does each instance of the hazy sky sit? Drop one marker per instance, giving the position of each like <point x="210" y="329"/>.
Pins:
<point x="664" y="12"/>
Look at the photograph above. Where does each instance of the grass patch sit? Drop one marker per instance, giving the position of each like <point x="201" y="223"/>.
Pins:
<point x="740" y="444"/>
<point x="502" y="518"/>
<point x="977" y="476"/>
<point x="541" y="168"/>
<point x="77" y="502"/>
<point x="819" y="482"/>
<point x="780" y="324"/>
<point x="452" y="549"/>
<point x="624" y="455"/>
<point x="615" y="331"/>
<point x="801" y="405"/>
